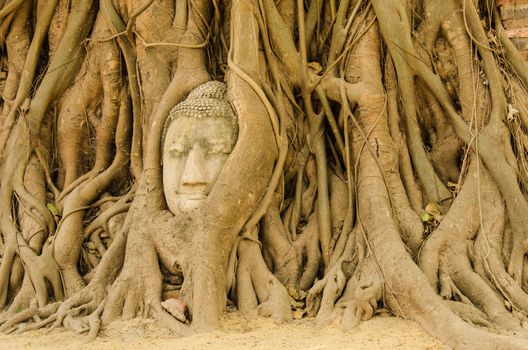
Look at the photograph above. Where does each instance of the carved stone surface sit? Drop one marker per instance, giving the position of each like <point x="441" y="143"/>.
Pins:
<point x="199" y="135"/>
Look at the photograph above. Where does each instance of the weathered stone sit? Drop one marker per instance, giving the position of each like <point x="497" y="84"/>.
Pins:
<point x="511" y="2"/>
<point x="517" y="32"/>
<point x="514" y="11"/>
<point x="515" y="23"/>
<point x="521" y="43"/>
<point x="199" y="135"/>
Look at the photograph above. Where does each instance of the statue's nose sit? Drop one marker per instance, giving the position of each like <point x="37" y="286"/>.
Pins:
<point x="194" y="172"/>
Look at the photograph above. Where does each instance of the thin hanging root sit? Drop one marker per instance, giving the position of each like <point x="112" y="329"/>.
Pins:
<point x="76" y="183"/>
<point x="10" y="7"/>
<point x="102" y="219"/>
<point x="116" y="24"/>
<point x="5" y="27"/>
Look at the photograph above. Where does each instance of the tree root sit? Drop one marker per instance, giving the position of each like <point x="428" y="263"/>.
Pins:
<point x="258" y="290"/>
<point x="15" y="323"/>
<point x="469" y="313"/>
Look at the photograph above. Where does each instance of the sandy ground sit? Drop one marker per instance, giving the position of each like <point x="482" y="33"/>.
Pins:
<point x="236" y="333"/>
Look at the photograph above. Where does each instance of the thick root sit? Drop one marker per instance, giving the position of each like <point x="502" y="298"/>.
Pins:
<point x="258" y="290"/>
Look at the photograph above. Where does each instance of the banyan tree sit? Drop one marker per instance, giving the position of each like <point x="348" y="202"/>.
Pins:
<point x="291" y="158"/>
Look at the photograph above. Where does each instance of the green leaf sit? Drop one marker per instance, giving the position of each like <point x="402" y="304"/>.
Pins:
<point x="426" y="217"/>
<point x="20" y="309"/>
<point x="53" y="209"/>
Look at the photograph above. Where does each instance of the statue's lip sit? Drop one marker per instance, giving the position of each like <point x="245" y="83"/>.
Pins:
<point x="193" y="195"/>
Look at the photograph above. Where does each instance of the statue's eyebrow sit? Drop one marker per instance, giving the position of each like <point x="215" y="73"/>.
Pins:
<point x="179" y="145"/>
<point x="216" y="141"/>
<point x="220" y="145"/>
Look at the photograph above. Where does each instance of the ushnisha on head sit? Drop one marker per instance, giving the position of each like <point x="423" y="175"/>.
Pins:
<point x="198" y="137"/>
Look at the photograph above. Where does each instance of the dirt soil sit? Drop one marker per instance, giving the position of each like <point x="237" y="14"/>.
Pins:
<point x="381" y="332"/>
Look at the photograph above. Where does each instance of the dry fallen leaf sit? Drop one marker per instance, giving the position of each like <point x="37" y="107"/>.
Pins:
<point x="298" y="314"/>
<point x="512" y="112"/>
<point x="434" y="210"/>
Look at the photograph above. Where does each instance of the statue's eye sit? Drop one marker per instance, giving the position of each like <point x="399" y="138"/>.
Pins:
<point x="175" y="153"/>
<point x="219" y="148"/>
<point x="178" y="150"/>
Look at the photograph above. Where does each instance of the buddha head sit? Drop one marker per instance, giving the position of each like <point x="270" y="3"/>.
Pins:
<point x="198" y="137"/>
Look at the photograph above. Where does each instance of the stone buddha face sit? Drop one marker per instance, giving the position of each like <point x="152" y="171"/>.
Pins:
<point x="197" y="142"/>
